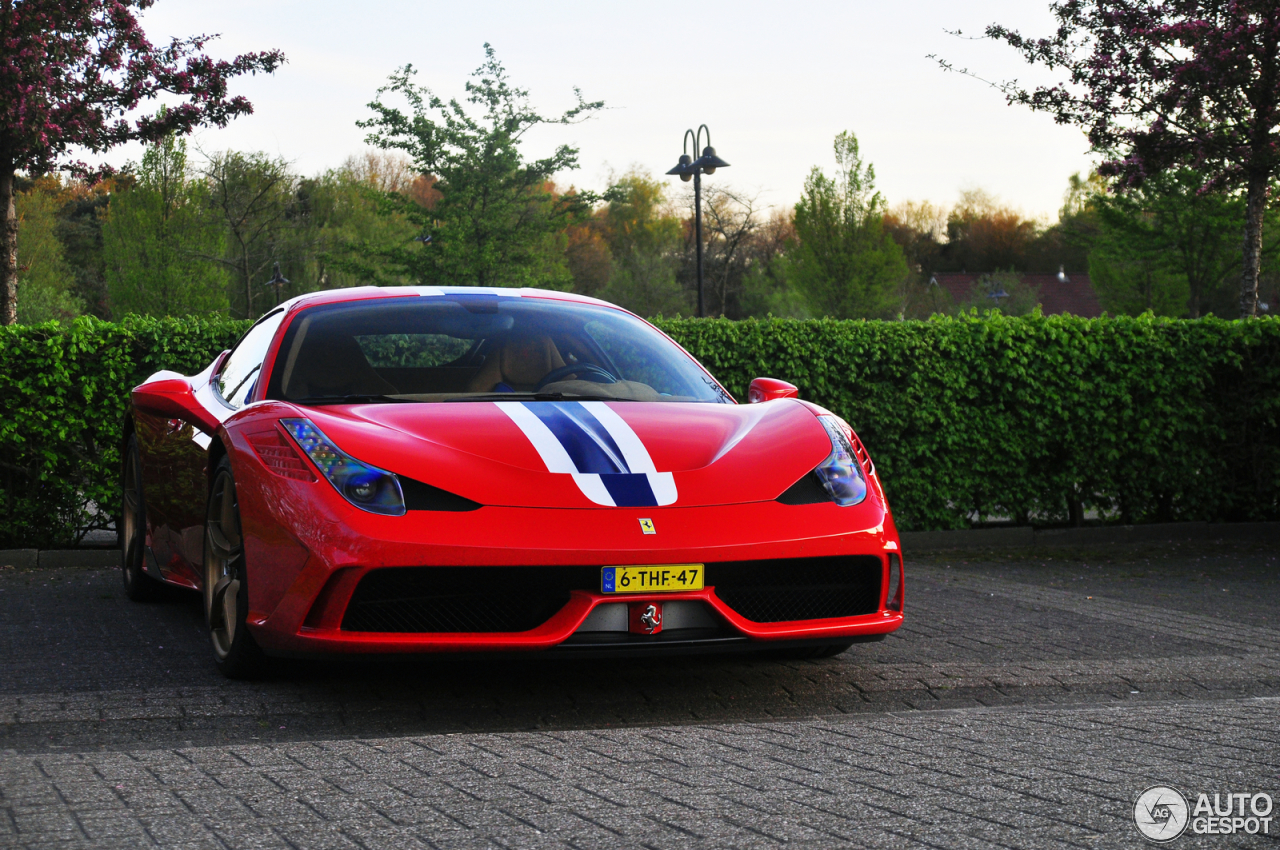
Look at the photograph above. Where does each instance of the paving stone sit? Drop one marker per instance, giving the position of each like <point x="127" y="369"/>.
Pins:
<point x="1001" y="715"/>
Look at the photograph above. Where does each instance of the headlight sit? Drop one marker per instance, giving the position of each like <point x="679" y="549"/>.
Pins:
<point x="841" y="474"/>
<point x="367" y="487"/>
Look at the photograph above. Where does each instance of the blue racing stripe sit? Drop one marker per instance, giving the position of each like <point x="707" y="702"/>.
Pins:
<point x="593" y="451"/>
<point x="588" y="455"/>
<point x="630" y="491"/>
<point x="594" y="428"/>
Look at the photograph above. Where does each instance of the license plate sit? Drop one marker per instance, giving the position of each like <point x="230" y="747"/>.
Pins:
<point x="665" y="579"/>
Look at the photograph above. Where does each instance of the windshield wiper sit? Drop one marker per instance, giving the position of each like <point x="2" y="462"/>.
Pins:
<point x="356" y="398"/>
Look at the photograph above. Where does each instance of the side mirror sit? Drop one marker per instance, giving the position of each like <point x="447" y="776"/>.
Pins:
<point x="169" y="396"/>
<point x="767" y="389"/>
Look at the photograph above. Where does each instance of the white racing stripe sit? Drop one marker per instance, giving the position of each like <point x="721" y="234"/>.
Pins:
<point x="557" y="459"/>
<point x="546" y="444"/>
<point x="593" y="488"/>
<point x="637" y="456"/>
<point x="663" y="485"/>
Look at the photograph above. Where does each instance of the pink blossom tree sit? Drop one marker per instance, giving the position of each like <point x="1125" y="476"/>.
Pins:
<point x="72" y="74"/>
<point x="1159" y="84"/>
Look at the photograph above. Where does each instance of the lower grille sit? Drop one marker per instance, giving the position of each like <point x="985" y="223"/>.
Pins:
<point x="518" y="599"/>
<point x="787" y="589"/>
<point x="463" y="599"/>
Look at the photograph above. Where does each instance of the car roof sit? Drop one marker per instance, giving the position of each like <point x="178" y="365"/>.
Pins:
<point x="364" y="293"/>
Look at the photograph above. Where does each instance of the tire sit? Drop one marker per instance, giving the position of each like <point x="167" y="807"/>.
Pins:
<point x="226" y="586"/>
<point x="132" y="530"/>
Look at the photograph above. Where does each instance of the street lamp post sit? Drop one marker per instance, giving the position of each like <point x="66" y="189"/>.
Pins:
<point x="277" y="282"/>
<point x="688" y="169"/>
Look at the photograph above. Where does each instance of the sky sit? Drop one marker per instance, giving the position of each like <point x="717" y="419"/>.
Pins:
<point x="775" y="82"/>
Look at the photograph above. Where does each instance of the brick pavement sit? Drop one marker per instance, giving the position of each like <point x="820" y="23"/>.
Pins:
<point x="1012" y="710"/>
<point x="968" y="778"/>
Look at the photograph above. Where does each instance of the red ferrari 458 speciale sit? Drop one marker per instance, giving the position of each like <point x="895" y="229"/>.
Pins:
<point x="418" y="469"/>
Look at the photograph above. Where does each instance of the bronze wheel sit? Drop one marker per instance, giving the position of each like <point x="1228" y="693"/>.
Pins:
<point x="226" y="593"/>
<point x="132" y="531"/>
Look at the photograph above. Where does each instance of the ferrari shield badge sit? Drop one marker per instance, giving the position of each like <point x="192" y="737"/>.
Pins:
<point x="645" y="618"/>
<point x="646" y="526"/>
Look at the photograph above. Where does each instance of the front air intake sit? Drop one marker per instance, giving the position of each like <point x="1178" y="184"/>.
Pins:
<point x="463" y="599"/>
<point x="788" y="589"/>
<point x="893" y="599"/>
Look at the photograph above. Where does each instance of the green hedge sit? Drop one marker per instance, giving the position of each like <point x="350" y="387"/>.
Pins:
<point x="967" y="418"/>
<point x="64" y="389"/>
<point x="1144" y="419"/>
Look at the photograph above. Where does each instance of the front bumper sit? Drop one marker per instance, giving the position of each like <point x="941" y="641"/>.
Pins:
<point x="562" y="629"/>
<point x="305" y="566"/>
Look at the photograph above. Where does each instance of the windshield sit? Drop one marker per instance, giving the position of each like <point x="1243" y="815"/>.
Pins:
<point x="463" y="347"/>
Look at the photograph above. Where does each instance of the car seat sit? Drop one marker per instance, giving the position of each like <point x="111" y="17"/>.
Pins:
<point x="334" y="366"/>
<point x="522" y="361"/>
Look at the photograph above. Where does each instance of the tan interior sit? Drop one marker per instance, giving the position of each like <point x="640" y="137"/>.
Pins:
<point x="520" y="364"/>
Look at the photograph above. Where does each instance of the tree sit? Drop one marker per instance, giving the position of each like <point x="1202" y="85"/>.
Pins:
<point x="80" y="232"/>
<point x="730" y="222"/>
<point x="1168" y="245"/>
<point x="588" y="256"/>
<point x="497" y="221"/>
<point x="253" y="197"/>
<point x="72" y="72"/>
<point x="1078" y="225"/>
<point x="983" y="235"/>
<point x="1162" y="85"/>
<point x="846" y="265"/>
<point x="1129" y="282"/>
<point x="920" y="229"/>
<point x="923" y="298"/>
<point x="767" y="288"/>
<point x="157" y="239"/>
<point x="637" y="250"/>
<point x="386" y="171"/>
<point x="1004" y="290"/>
<point x="341" y="231"/>
<point x="44" y="278"/>
<point x="643" y="235"/>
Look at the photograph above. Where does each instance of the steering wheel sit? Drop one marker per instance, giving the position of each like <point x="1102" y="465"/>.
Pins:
<point x="597" y="374"/>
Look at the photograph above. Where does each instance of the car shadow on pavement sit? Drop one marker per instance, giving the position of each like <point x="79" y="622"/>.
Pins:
<point x="80" y="665"/>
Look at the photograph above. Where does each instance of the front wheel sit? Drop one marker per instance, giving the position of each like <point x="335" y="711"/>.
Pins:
<point x="132" y="529"/>
<point x="226" y="588"/>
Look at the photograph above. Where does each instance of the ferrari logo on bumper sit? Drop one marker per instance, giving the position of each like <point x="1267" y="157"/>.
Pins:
<point x="646" y="526"/>
<point x="645" y="618"/>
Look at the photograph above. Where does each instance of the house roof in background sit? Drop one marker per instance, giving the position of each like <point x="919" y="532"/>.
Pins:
<point x="1072" y="293"/>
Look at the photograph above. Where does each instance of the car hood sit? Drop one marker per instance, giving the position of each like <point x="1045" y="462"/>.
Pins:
<point x="587" y="454"/>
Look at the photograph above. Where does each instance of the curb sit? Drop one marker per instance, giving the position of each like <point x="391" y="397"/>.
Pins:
<point x="22" y="559"/>
<point x="1122" y="535"/>
<point x="30" y="559"/>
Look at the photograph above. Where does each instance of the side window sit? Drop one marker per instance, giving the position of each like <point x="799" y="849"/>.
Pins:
<point x="239" y="374"/>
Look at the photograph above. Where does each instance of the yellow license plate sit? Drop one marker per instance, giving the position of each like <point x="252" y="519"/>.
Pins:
<point x="670" y="578"/>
